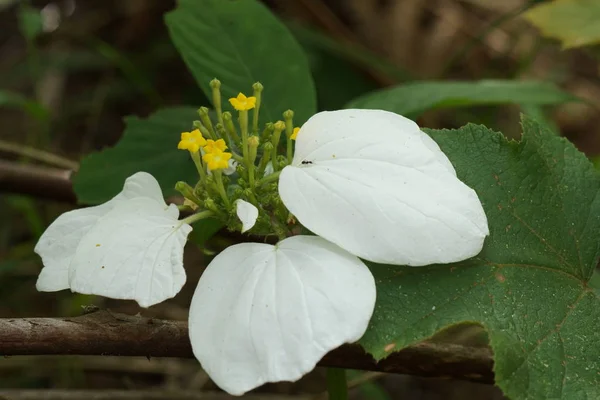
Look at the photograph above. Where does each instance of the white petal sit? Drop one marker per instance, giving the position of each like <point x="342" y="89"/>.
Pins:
<point x="374" y="184"/>
<point x="269" y="169"/>
<point x="369" y="135"/>
<point x="135" y="251"/>
<point x="58" y="243"/>
<point x="231" y="167"/>
<point x="264" y="313"/>
<point x="247" y="213"/>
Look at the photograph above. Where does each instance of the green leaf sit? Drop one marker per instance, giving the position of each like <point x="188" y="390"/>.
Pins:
<point x="30" y="22"/>
<point x="338" y="81"/>
<point x="355" y="54"/>
<point x="413" y="99"/>
<point x="528" y="287"/>
<point x="573" y="22"/>
<point x="148" y="145"/>
<point x="538" y="113"/>
<point x="241" y="42"/>
<point x="204" y="230"/>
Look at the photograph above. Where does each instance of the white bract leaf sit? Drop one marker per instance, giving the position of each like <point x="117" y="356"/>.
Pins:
<point x="58" y="243"/>
<point x="373" y="183"/>
<point x="264" y="313"/>
<point x="130" y="247"/>
<point x="231" y="167"/>
<point x="268" y="169"/>
<point x="247" y="213"/>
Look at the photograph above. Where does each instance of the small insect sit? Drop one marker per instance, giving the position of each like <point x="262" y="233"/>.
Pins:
<point x="304" y="162"/>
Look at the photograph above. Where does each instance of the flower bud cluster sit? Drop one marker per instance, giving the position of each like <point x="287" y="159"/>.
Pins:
<point x="239" y="160"/>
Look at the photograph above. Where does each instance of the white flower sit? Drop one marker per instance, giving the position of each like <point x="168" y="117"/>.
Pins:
<point x="130" y="247"/>
<point x="247" y="213"/>
<point x="371" y="182"/>
<point x="264" y="313"/>
<point x="372" y="185"/>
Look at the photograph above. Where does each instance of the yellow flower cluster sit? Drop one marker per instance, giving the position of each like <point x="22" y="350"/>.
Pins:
<point x="214" y="156"/>
<point x="191" y="141"/>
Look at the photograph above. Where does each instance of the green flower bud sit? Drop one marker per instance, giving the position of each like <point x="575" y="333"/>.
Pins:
<point x="258" y="88"/>
<point x="215" y="85"/>
<point x="252" y="148"/>
<point x="210" y="204"/>
<point x="247" y="193"/>
<point x="230" y="127"/>
<point x="205" y="118"/>
<point x="267" y="132"/>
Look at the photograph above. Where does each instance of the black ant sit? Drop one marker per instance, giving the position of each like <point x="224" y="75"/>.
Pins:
<point x="304" y="162"/>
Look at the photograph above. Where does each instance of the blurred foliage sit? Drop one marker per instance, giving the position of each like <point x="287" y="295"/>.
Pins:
<point x="30" y="22"/>
<point x="574" y="22"/>
<point x="413" y="99"/>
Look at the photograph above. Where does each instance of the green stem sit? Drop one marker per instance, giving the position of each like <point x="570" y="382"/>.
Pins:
<point x="244" y="129"/>
<point x="197" y="217"/>
<point x="264" y="160"/>
<point x="199" y="166"/>
<point x="253" y="199"/>
<point x="337" y="387"/>
<point x="270" y="178"/>
<point x="290" y="153"/>
<point x="237" y="157"/>
<point x="220" y="187"/>
<point x="251" y="175"/>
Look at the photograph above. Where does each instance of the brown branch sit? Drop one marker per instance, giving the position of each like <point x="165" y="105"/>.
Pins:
<point x="41" y="182"/>
<point x="106" y="333"/>
<point x="60" y="394"/>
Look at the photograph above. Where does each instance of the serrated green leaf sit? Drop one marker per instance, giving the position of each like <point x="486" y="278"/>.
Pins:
<point x="241" y="42"/>
<point x="148" y="145"/>
<point x="528" y="287"/>
<point x="412" y="99"/>
<point x="537" y="112"/>
<point x="574" y="22"/>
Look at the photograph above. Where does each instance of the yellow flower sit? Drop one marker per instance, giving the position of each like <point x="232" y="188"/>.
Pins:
<point x="242" y="103"/>
<point x="212" y="145"/>
<point x="191" y="141"/>
<point x="216" y="159"/>
<point x="295" y="133"/>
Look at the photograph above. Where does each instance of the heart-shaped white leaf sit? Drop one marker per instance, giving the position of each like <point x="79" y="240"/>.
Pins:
<point x="247" y="213"/>
<point x="371" y="182"/>
<point x="130" y="247"/>
<point x="135" y="252"/>
<point x="58" y="243"/>
<point x="264" y="313"/>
